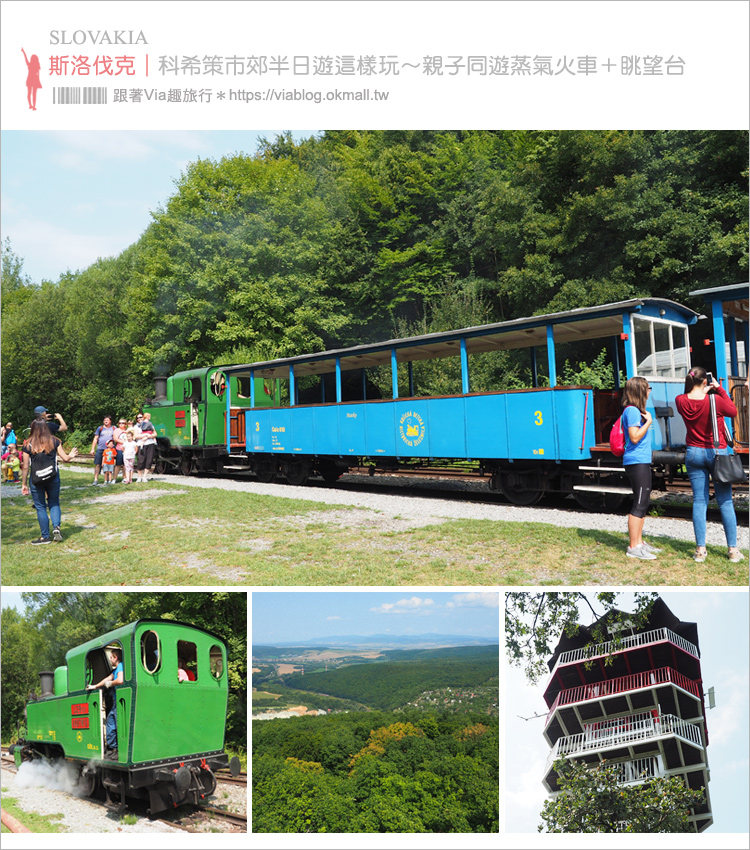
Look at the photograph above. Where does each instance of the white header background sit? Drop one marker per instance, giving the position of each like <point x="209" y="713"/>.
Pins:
<point x="710" y="37"/>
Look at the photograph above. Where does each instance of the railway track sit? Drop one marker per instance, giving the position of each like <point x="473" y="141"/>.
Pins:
<point x="241" y="779"/>
<point x="206" y="814"/>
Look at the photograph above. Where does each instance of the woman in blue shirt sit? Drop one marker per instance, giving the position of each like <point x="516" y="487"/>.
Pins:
<point x="636" y="421"/>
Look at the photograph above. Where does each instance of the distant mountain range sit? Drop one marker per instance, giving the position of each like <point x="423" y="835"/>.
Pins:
<point x="386" y="641"/>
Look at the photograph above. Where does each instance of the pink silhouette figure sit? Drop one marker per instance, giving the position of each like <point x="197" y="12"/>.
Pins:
<point x="33" y="82"/>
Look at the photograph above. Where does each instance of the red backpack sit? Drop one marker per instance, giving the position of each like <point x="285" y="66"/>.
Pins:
<point x="617" y="439"/>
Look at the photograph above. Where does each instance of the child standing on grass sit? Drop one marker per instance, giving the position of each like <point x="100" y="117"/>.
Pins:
<point x="108" y="461"/>
<point x="129" y="452"/>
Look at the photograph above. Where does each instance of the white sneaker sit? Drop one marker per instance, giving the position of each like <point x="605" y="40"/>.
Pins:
<point x="640" y="552"/>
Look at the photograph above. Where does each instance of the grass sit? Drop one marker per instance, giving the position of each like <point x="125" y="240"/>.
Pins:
<point x="31" y="820"/>
<point x="166" y="534"/>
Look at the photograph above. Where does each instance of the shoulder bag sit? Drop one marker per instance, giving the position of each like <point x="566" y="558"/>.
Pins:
<point x="728" y="468"/>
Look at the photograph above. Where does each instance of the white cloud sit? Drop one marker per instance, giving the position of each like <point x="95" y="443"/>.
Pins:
<point x="333" y="618"/>
<point x="475" y="600"/>
<point x="415" y="605"/>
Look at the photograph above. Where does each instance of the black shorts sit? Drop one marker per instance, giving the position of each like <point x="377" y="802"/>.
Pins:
<point x="640" y="480"/>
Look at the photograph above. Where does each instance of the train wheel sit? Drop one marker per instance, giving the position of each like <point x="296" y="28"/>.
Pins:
<point x="297" y="473"/>
<point x="186" y="464"/>
<point x="330" y="472"/>
<point x="87" y="781"/>
<point x="523" y="489"/>
<point x="161" y="466"/>
<point x="606" y="502"/>
<point x="266" y="472"/>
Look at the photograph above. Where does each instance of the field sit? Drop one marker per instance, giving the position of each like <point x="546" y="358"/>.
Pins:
<point x="455" y="678"/>
<point x="164" y="533"/>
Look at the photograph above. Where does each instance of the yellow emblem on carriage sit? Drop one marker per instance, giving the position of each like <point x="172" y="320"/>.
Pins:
<point x="411" y="428"/>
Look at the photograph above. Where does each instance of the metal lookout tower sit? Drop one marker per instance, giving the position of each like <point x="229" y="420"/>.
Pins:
<point x="643" y="711"/>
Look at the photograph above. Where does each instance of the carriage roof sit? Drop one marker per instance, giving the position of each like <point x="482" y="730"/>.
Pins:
<point x="571" y="326"/>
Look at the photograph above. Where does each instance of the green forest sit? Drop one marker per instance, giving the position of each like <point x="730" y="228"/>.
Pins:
<point x="392" y="684"/>
<point x="376" y="772"/>
<point x="350" y="237"/>
<point x="54" y="622"/>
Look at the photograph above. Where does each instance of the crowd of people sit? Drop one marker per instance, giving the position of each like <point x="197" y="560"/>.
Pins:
<point x="123" y="449"/>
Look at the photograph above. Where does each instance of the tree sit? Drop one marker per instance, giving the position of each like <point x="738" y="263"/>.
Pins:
<point x="535" y="621"/>
<point x="19" y="670"/>
<point x="593" y="800"/>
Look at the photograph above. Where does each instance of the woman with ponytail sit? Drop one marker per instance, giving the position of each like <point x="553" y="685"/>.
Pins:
<point x="695" y="408"/>
<point x="636" y="421"/>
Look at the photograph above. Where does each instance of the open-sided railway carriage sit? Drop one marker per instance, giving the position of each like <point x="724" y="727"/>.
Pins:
<point x="170" y="732"/>
<point x="320" y="414"/>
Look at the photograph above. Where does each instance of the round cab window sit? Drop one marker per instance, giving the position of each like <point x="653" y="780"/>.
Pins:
<point x="217" y="662"/>
<point x="150" y="652"/>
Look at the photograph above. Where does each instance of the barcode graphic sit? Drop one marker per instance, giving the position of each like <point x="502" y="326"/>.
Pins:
<point x="79" y="94"/>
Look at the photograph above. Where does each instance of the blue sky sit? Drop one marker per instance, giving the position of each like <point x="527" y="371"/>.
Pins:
<point x="69" y="198"/>
<point x="722" y="618"/>
<point x="302" y="616"/>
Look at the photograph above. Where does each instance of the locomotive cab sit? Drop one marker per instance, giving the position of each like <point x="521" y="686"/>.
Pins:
<point x="170" y="715"/>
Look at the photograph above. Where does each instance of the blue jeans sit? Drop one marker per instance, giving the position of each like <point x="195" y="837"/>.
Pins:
<point x="110" y="725"/>
<point x="43" y="496"/>
<point x="699" y="463"/>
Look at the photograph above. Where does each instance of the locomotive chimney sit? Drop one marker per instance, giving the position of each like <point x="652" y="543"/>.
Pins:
<point x="46" y="682"/>
<point x="160" y="387"/>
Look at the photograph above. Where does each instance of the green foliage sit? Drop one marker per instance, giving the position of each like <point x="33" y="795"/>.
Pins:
<point x="597" y="373"/>
<point x="534" y="622"/>
<point x="78" y="438"/>
<point x="393" y="684"/>
<point x="19" y="670"/>
<point x="592" y="799"/>
<point x="337" y="239"/>
<point x="373" y="772"/>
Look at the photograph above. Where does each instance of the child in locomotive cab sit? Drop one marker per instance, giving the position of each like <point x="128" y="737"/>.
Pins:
<point x="636" y="422"/>
<point x="115" y="678"/>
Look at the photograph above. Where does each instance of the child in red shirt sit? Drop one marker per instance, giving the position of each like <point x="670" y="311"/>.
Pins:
<point x="108" y="462"/>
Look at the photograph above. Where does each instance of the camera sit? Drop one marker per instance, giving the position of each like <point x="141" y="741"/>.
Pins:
<point x="710" y="378"/>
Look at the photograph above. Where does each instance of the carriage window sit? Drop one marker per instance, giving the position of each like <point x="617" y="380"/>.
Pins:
<point x="150" y="652"/>
<point x="681" y="349"/>
<point x="217" y="662"/>
<point x="661" y="349"/>
<point x="242" y="386"/>
<point x="187" y="661"/>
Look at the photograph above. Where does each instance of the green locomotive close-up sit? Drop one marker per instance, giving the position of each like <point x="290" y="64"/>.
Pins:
<point x="170" y="709"/>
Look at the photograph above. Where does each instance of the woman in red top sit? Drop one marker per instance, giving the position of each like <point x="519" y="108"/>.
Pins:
<point x="695" y="408"/>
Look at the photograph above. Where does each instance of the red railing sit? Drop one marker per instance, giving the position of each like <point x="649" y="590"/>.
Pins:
<point x="633" y="682"/>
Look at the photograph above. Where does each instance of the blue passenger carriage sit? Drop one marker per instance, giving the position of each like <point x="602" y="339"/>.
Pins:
<point x="336" y="409"/>
<point x="729" y="308"/>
